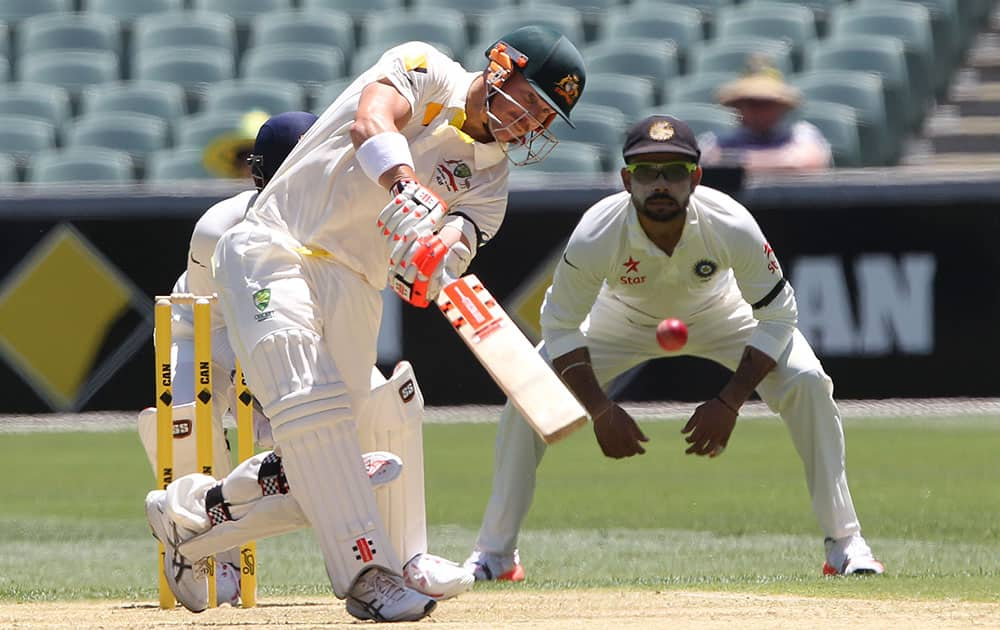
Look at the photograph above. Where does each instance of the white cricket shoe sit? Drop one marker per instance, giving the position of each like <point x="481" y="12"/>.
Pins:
<point x="436" y="577"/>
<point x="382" y="596"/>
<point x="850" y="555"/>
<point x="493" y="566"/>
<point x="188" y="580"/>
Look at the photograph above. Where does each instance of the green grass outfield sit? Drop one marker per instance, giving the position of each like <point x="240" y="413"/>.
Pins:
<point x="927" y="492"/>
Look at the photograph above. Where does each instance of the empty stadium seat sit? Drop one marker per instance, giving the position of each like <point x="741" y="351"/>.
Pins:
<point x="910" y="23"/>
<point x="701" y="117"/>
<point x="356" y="8"/>
<point x="597" y="125"/>
<point x="567" y="21"/>
<point x="327" y="94"/>
<point x="72" y="72"/>
<point x="16" y="10"/>
<point x="183" y="29"/>
<point x="5" y="49"/>
<point x="839" y="126"/>
<point x="707" y="8"/>
<point x="198" y="130"/>
<point x="630" y="94"/>
<point x="874" y="53"/>
<point x="46" y="102"/>
<point x="320" y="27"/>
<point x="441" y="26"/>
<point x="793" y="24"/>
<point x="193" y="68"/>
<point x="123" y="131"/>
<point x="8" y="169"/>
<point x="593" y="12"/>
<point x="681" y="25"/>
<point x="570" y="157"/>
<point x="243" y="11"/>
<point x="176" y="164"/>
<point x="243" y="95"/>
<point x="154" y="98"/>
<point x="69" y="31"/>
<point x="863" y="92"/>
<point x="652" y="59"/>
<point x="21" y="136"/>
<point x="474" y="11"/>
<point x="701" y="87"/>
<point x="81" y="164"/>
<point x="309" y="66"/>
<point x="735" y="54"/>
<point x="128" y="10"/>
<point x="4" y="70"/>
<point x="820" y="8"/>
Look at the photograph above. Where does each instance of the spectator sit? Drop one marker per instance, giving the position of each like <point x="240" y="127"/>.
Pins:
<point x="767" y="139"/>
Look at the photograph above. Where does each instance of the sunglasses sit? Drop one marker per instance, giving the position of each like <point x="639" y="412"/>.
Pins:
<point x="647" y="172"/>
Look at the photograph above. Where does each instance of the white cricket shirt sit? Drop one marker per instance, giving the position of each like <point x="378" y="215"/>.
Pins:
<point x="322" y="198"/>
<point x="721" y="258"/>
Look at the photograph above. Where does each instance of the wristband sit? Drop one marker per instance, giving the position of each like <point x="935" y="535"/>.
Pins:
<point x="378" y="154"/>
<point x="727" y="405"/>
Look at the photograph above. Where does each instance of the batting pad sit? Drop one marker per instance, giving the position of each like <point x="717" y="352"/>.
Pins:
<point x="393" y="421"/>
<point x="185" y="441"/>
<point x="328" y="479"/>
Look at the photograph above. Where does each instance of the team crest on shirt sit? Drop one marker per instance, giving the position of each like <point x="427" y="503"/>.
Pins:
<point x="261" y="300"/>
<point x="632" y="275"/>
<point x="453" y="175"/>
<point x="705" y="269"/>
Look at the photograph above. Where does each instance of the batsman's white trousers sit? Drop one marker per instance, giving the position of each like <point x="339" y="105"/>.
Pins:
<point x="305" y="330"/>
<point x="797" y="389"/>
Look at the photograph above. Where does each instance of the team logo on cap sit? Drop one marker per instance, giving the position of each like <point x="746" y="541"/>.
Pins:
<point x="568" y="87"/>
<point x="661" y="131"/>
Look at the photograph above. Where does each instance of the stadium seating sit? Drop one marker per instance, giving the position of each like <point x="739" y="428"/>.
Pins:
<point x="4" y="70"/>
<point x="196" y="131"/>
<point x="69" y="31"/>
<point x="176" y="164"/>
<point x="153" y="98"/>
<point x="701" y="87"/>
<point x="80" y="164"/>
<point x="315" y="27"/>
<point x="8" y="169"/>
<point x="879" y="143"/>
<point x="136" y="134"/>
<point x="597" y="125"/>
<point x="244" y="95"/>
<point x="820" y="8"/>
<point x="12" y="11"/>
<point x="707" y="8"/>
<point x="193" y="68"/>
<point x="128" y="10"/>
<point x="242" y="11"/>
<point x="701" y="117"/>
<point x="793" y="24"/>
<point x="21" y="136"/>
<point x="630" y="94"/>
<point x="355" y="8"/>
<point x="72" y="72"/>
<point x="680" y="25"/>
<point x="651" y="59"/>
<point x="839" y="126"/>
<point x="736" y="54"/>
<point x="46" y="102"/>
<point x="184" y="29"/>
<point x="570" y="158"/>
<point x="593" y="12"/>
<point x="309" y="66"/>
<point x="442" y="26"/>
<point x="323" y="96"/>
<point x="474" y="11"/>
<point x="567" y="21"/>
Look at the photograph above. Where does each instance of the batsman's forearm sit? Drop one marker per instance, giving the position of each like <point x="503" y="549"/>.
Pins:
<point x="753" y="367"/>
<point x="575" y="370"/>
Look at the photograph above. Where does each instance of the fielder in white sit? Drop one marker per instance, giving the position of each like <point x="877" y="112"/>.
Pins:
<point x="299" y="283"/>
<point x="273" y="143"/>
<point x="666" y="247"/>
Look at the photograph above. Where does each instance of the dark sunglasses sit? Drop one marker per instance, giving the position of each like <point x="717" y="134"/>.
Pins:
<point x="647" y="172"/>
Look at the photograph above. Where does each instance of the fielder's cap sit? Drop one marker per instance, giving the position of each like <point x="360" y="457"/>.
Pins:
<point x="554" y="67"/>
<point x="763" y="84"/>
<point x="278" y="136"/>
<point x="660" y="134"/>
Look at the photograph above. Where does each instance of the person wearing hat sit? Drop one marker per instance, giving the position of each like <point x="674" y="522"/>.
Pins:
<point x="667" y="247"/>
<point x="766" y="139"/>
<point x="399" y="182"/>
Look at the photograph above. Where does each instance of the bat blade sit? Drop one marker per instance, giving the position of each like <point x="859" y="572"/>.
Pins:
<point x="527" y="380"/>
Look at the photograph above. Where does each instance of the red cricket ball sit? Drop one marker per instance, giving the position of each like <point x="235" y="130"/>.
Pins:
<point x="671" y="334"/>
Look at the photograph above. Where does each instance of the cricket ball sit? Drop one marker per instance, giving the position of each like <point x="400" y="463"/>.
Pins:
<point x="671" y="334"/>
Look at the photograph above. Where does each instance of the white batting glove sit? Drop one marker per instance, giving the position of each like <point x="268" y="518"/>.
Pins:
<point x="414" y="212"/>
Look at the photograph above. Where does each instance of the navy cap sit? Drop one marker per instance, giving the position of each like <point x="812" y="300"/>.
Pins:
<point x="277" y="137"/>
<point x="660" y="134"/>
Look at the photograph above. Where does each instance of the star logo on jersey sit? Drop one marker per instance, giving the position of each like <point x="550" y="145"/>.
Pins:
<point x="631" y="265"/>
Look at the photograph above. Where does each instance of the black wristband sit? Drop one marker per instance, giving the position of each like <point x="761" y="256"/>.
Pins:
<point x="727" y="405"/>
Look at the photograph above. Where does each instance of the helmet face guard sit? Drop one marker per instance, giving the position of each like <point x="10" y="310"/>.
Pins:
<point x="534" y="146"/>
<point x="256" y="163"/>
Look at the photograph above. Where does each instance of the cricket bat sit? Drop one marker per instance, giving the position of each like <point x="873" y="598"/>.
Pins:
<point x="529" y="382"/>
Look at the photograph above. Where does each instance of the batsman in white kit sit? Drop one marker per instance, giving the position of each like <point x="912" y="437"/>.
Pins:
<point x="667" y="247"/>
<point x="299" y="284"/>
<point x="273" y="142"/>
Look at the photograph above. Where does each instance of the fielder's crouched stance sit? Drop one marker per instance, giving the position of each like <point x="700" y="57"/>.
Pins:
<point x="198" y="516"/>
